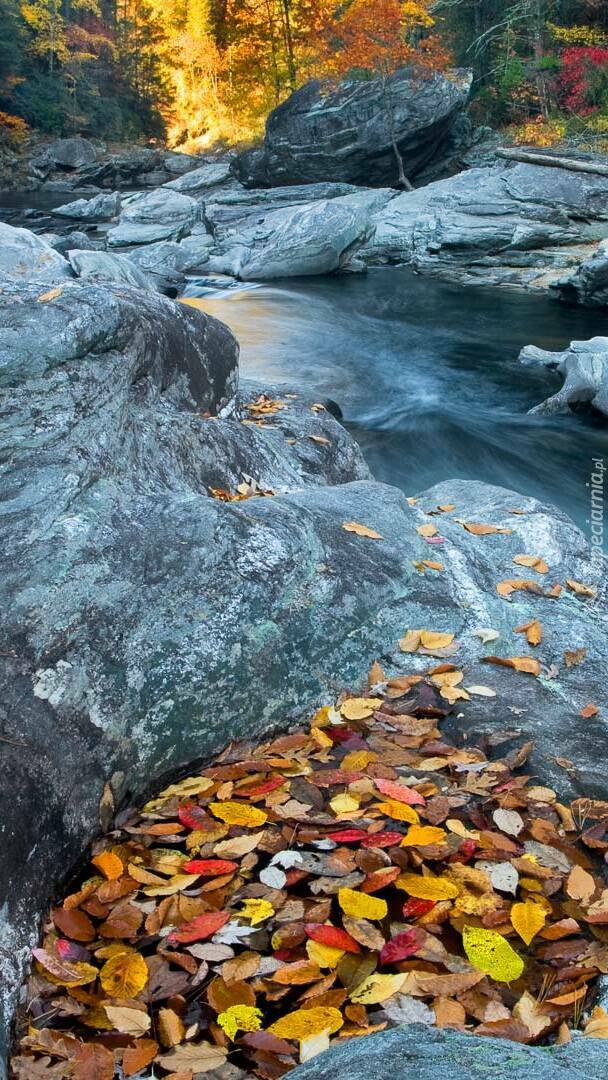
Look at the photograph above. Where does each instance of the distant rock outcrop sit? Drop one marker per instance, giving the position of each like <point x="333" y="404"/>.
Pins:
<point x="346" y="132"/>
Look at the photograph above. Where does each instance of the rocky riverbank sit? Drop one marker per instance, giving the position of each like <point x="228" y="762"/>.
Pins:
<point x="138" y="601"/>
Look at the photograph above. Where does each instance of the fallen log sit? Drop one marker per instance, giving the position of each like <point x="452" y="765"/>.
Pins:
<point x="530" y="158"/>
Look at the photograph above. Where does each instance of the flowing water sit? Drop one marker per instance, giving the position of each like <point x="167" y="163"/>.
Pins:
<point x="426" y="374"/>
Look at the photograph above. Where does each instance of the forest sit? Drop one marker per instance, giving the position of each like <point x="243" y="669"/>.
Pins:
<point x="201" y="73"/>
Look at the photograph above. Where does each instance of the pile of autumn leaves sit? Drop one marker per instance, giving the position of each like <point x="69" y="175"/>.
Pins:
<point x="323" y="886"/>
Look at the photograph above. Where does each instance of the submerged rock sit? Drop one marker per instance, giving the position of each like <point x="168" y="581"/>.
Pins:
<point x="428" y="1052"/>
<point x="345" y="132"/>
<point x="23" y="255"/>
<point x="584" y="369"/>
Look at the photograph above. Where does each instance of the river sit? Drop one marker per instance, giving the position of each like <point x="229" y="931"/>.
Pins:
<point x="426" y="374"/>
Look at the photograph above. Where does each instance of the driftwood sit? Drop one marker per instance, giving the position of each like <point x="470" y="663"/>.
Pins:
<point x="528" y="157"/>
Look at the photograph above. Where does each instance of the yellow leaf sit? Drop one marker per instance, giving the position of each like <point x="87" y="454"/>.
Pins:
<point x="173" y="886"/>
<point x="344" y="804"/>
<point x="420" y="835"/>
<point x="597" y="1024"/>
<point x="357" y="760"/>
<point x="359" y="708"/>
<point x="235" y="813"/>
<point x="427" y="888"/>
<point x="491" y="953"/>
<point x="411" y="641"/>
<point x="305" y="1023"/>
<point x="398" y="811"/>
<point x="433" y="640"/>
<point x="257" y="911"/>
<point x="361" y="530"/>
<point x="192" y="785"/>
<point x="527" y="919"/>
<point x="325" y="956"/>
<point x="427" y="530"/>
<point x="361" y="905"/>
<point x="378" y="988"/>
<point x="240" y="1018"/>
<point x="124" y="975"/>
<point x="51" y="295"/>
<point x="110" y="865"/>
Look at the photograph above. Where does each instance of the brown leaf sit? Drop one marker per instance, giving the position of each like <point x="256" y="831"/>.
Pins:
<point x="73" y="923"/>
<point x="580" y="885"/>
<point x="528" y="664"/>
<point x="93" y="1062"/>
<point x="171" y="1030"/>
<point x="533" y="631"/>
<point x="137" y="1056"/>
<point x="574" y="657"/>
<point x="588" y="711"/>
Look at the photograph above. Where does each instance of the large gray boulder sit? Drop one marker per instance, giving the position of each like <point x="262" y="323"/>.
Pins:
<point x="232" y="209"/>
<point x="509" y="224"/>
<point x="23" y="255"/>
<point x="145" y="623"/>
<point x="72" y="153"/>
<point x="107" y="266"/>
<point x="153" y="216"/>
<point x="103" y="207"/>
<point x="345" y="132"/>
<point x="584" y="370"/>
<point x="313" y="238"/>
<point x="426" y="1053"/>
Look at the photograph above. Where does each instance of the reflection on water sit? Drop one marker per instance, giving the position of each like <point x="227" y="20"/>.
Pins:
<point x="426" y="374"/>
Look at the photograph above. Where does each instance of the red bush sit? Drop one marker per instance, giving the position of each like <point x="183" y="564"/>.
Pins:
<point x="584" y="69"/>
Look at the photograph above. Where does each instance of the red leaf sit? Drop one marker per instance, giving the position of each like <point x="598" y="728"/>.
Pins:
<point x="413" y="909"/>
<point x="266" y="787"/>
<point x="332" y="935"/>
<point x="382" y="839"/>
<point x="210" y="867"/>
<point x="194" y="817"/>
<point x="202" y="927"/>
<point x="348" y="836"/>
<point x="400" y="792"/>
<point x="465" y="852"/>
<point x="402" y="946"/>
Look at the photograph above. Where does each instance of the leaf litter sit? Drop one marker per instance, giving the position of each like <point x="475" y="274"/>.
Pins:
<point x="327" y="884"/>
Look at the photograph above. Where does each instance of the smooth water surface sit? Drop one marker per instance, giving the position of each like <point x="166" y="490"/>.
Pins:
<point x="426" y="374"/>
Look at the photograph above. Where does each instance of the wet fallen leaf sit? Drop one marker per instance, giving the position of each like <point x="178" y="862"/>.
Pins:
<point x="361" y="530"/>
<point x="491" y="953"/>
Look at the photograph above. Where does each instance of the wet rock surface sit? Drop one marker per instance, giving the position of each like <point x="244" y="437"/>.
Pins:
<point x="584" y="370"/>
<point x="428" y="1053"/>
